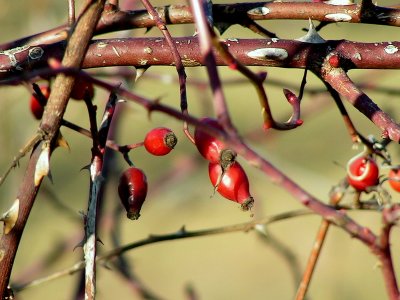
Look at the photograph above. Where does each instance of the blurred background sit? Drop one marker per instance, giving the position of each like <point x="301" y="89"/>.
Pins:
<point x="228" y="266"/>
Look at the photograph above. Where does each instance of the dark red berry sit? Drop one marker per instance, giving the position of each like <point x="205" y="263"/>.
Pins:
<point x="80" y="88"/>
<point x="394" y="179"/>
<point x="36" y="105"/>
<point x="362" y="173"/>
<point x="210" y="147"/>
<point x="132" y="190"/>
<point x="232" y="184"/>
<point x="160" y="141"/>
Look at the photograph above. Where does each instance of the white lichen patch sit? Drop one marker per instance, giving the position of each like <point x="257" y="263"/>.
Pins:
<point x="115" y="51"/>
<point x="338" y="17"/>
<point x="11" y="55"/>
<point x="339" y="2"/>
<point x="391" y="49"/>
<point x="357" y="56"/>
<point x="102" y="45"/>
<point x="259" y="11"/>
<point x="35" y="53"/>
<point x="268" y="54"/>
<point x="148" y="50"/>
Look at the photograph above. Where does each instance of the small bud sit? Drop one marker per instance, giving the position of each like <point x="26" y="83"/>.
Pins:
<point x="334" y="61"/>
<point x="291" y="97"/>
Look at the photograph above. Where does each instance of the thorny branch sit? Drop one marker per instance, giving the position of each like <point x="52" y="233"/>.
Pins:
<point x="26" y="58"/>
<point x="51" y="122"/>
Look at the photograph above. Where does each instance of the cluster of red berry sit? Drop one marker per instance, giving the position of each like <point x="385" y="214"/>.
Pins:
<point x="226" y="174"/>
<point x="132" y="188"/>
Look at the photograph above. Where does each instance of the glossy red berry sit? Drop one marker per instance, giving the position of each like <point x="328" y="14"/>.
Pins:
<point x="160" y="141"/>
<point x="36" y="105"/>
<point x="80" y="88"/>
<point x="210" y="147"/>
<point x="362" y="173"/>
<point x="394" y="179"/>
<point x="233" y="185"/>
<point x="132" y="190"/>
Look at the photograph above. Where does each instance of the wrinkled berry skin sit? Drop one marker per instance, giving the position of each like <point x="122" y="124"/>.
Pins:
<point x="160" y="141"/>
<point x="234" y="184"/>
<point x="132" y="190"/>
<point x="37" y="108"/>
<point x="210" y="147"/>
<point x="362" y="173"/>
<point x="394" y="179"/>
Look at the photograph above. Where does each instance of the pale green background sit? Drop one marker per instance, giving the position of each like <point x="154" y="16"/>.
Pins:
<point x="230" y="266"/>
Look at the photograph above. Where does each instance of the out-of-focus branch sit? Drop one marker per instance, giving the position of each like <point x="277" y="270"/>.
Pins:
<point x="180" y="234"/>
<point x="233" y="13"/>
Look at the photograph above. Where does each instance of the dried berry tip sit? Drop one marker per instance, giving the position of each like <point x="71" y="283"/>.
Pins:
<point x="247" y="204"/>
<point x="171" y="140"/>
<point x="227" y="157"/>
<point x="133" y="215"/>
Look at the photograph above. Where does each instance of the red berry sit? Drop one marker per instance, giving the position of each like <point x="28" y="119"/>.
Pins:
<point x="362" y="173"/>
<point x="37" y="107"/>
<point x="132" y="190"/>
<point x="234" y="184"/>
<point x="80" y="88"/>
<point x="160" y="141"/>
<point x="394" y="179"/>
<point x="210" y="147"/>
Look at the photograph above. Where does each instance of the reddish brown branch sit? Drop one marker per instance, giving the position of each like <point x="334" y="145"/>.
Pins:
<point x="135" y="52"/>
<point x="339" y="80"/>
<point x="51" y="122"/>
<point x="234" y="13"/>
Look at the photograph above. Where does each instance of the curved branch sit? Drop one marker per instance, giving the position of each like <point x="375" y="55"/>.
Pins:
<point x="339" y="80"/>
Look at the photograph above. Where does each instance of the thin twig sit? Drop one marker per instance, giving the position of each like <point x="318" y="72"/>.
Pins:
<point x="180" y="234"/>
<point x="178" y="63"/>
<point x="312" y="260"/>
<point x="97" y="177"/>
<point x="206" y="48"/>
<point x="21" y="153"/>
<point x="339" y="80"/>
<point x="71" y="13"/>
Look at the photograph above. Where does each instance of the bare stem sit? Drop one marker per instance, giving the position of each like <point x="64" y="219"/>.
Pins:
<point x="180" y="234"/>
<point x="312" y="260"/>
